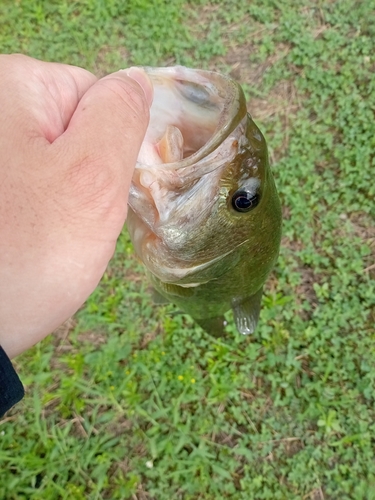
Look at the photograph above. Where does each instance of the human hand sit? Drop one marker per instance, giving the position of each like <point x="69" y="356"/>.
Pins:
<point x="68" y="147"/>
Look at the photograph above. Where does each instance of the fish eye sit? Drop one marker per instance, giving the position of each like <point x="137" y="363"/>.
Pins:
<point x="244" y="201"/>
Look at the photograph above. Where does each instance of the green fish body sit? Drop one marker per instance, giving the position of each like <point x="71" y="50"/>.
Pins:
<point x="204" y="215"/>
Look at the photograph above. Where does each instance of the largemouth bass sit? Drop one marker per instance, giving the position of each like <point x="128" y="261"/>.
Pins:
<point x="204" y="214"/>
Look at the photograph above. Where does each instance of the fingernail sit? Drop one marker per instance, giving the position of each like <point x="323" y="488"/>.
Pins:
<point x="141" y="77"/>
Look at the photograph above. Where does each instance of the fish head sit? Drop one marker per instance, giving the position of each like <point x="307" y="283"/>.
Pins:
<point x="203" y="204"/>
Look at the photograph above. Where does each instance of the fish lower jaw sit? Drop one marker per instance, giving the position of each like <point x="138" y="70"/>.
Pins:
<point x="161" y="266"/>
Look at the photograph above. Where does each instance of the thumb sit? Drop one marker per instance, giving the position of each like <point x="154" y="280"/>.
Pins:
<point x="101" y="143"/>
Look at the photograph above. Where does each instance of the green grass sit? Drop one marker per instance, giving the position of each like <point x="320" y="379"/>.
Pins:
<point x="134" y="401"/>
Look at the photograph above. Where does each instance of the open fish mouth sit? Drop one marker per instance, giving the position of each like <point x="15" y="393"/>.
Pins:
<point x="193" y="111"/>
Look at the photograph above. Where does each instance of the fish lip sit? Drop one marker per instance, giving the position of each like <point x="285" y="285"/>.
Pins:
<point x="234" y="111"/>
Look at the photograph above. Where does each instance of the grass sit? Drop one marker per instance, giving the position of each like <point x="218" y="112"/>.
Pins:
<point x="134" y="401"/>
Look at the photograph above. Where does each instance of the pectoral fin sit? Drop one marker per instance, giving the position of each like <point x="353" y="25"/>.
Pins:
<point x="214" y="326"/>
<point x="246" y="312"/>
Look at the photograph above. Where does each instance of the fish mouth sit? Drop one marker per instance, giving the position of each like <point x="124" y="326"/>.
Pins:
<point x="192" y="118"/>
<point x="192" y="113"/>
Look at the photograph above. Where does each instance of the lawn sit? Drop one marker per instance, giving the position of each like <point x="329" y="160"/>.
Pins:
<point x="130" y="400"/>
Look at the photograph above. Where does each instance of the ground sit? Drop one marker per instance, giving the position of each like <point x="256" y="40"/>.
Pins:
<point x="130" y="400"/>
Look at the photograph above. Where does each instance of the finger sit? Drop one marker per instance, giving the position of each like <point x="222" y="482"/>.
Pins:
<point x="37" y="98"/>
<point x="65" y="86"/>
<point x="102" y="141"/>
<point x="116" y="105"/>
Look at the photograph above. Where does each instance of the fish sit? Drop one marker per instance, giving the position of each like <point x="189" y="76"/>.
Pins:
<point x="204" y="214"/>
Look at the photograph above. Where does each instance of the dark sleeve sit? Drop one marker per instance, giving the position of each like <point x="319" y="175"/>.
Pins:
<point x="11" y="388"/>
